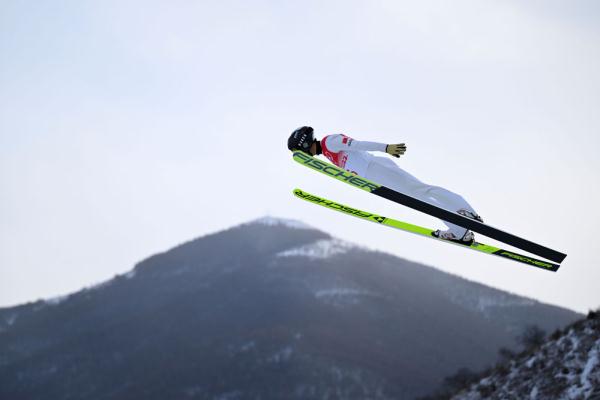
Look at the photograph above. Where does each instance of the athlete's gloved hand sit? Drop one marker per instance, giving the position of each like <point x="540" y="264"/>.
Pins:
<point x="395" y="150"/>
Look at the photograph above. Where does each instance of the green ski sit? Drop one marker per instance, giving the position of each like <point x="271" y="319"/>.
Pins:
<point x="359" y="182"/>
<point x="419" y="230"/>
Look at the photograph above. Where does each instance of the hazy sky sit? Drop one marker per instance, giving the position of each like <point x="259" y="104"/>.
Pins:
<point x="128" y="127"/>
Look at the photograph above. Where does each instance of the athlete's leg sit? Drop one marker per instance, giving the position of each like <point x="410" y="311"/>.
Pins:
<point x="386" y="172"/>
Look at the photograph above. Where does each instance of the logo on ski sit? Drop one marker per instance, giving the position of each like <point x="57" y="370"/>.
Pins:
<point x="524" y="259"/>
<point x="334" y="172"/>
<point x="338" y="207"/>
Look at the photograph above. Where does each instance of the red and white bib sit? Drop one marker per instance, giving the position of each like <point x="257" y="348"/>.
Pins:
<point x="337" y="158"/>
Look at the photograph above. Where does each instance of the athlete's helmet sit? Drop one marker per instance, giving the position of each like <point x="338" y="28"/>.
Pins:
<point x="301" y="139"/>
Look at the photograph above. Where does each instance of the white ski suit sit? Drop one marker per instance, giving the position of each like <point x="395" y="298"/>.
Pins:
<point x="352" y="155"/>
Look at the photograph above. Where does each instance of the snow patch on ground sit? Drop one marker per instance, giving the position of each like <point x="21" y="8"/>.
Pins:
<point x="485" y="303"/>
<point x="54" y="301"/>
<point x="320" y="249"/>
<point x="9" y="321"/>
<point x="236" y="349"/>
<point x="591" y="364"/>
<point x="248" y="346"/>
<point x="534" y="393"/>
<point x="282" y="355"/>
<point x="341" y="296"/>
<point x="341" y="292"/>
<point x="233" y="395"/>
<point x="194" y="391"/>
<point x="273" y="221"/>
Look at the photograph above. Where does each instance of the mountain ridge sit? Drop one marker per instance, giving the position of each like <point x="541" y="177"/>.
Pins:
<point x="266" y="301"/>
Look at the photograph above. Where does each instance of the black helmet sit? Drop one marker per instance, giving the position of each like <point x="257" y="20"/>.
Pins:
<point x="301" y="139"/>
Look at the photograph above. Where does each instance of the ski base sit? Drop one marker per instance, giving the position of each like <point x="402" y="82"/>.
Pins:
<point x="421" y="231"/>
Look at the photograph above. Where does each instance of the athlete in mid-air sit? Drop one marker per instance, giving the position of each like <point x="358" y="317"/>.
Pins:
<point x="353" y="156"/>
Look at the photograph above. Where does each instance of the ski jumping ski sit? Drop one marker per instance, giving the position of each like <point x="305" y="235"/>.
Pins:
<point x="354" y="180"/>
<point x="421" y="231"/>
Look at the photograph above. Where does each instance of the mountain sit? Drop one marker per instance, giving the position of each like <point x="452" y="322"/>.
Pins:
<point x="566" y="366"/>
<point x="271" y="309"/>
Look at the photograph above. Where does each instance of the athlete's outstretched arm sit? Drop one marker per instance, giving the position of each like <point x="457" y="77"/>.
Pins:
<point x="343" y="143"/>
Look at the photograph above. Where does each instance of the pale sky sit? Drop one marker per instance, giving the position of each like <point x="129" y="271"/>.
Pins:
<point x="128" y="127"/>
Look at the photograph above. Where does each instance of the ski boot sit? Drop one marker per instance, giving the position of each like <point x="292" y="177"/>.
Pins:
<point x="469" y="214"/>
<point x="467" y="239"/>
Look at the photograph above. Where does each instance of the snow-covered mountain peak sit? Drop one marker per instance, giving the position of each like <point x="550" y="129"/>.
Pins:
<point x="274" y="221"/>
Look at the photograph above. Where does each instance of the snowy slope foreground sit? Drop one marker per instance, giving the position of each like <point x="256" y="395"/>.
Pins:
<point x="273" y="221"/>
<point x="566" y="367"/>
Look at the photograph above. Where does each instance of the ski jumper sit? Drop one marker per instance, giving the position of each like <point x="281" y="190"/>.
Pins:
<point x="352" y="155"/>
